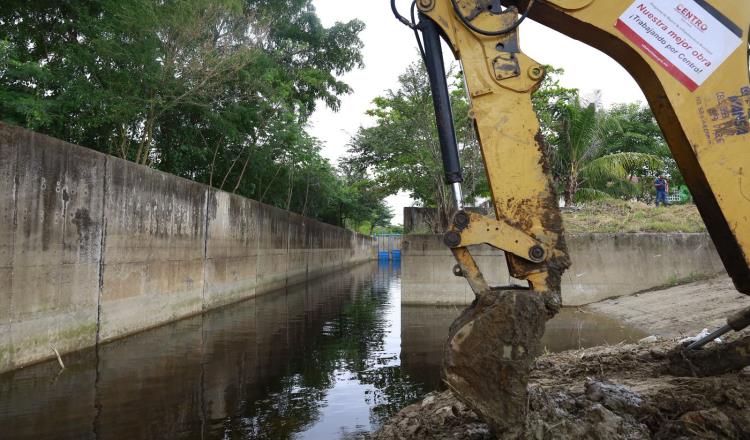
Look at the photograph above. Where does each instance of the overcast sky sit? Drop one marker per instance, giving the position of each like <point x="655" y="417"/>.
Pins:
<point x="389" y="47"/>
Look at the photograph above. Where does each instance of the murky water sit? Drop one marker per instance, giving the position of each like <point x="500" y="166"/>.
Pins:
<point x="324" y="360"/>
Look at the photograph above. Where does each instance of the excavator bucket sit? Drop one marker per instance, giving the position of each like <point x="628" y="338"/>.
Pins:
<point x="494" y="342"/>
<point x="489" y="354"/>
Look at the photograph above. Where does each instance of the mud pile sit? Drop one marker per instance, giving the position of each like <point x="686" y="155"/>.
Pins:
<point x="613" y="392"/>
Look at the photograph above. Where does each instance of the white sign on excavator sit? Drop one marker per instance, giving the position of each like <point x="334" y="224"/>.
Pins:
<point x="689" y="38"/>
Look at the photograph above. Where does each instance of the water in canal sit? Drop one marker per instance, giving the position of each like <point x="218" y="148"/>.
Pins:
<point x="325" y="360"/>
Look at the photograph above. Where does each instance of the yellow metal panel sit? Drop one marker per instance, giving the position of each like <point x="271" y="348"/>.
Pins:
<point x="715" y="166"/>
<point x="511" y="143"/>
<point x="703" y="125"/>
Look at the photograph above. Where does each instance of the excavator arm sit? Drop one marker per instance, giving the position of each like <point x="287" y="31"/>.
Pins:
<point x="690" y="57"/>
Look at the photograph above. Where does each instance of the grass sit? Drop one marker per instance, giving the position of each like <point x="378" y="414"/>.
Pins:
<point x="623" y="216"/>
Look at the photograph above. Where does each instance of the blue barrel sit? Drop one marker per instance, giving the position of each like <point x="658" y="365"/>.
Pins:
<point x="396" y="254"/>
<point x="382" y="255"/>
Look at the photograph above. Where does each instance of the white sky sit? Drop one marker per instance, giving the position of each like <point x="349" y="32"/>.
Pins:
<point x="389" y="47"/>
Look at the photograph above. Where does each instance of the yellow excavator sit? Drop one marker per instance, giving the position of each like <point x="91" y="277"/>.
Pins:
<point x="690" y="58"/>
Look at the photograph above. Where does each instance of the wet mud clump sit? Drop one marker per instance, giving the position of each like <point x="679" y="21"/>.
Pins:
<point x="489" y="354"/>
<point x="636" y="391"/>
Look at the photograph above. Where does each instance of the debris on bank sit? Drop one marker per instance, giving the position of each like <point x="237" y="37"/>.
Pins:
<point x="636" y="391"/>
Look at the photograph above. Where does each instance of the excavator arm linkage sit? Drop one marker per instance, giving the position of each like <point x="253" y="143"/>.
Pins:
<point x="701" y="99"/>
<point x="690" y="57"/>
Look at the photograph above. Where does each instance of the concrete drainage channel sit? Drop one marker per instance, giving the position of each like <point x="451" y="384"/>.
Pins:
<point x="101" y="248"/>
<point x="604" y="266"/>
<point x="96" y="248"/>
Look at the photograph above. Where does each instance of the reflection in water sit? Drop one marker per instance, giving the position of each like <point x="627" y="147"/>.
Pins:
<point x="424" y="330"/>
<point x="317" y="361"/>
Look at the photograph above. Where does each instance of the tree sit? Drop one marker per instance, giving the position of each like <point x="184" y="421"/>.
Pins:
<point x="638" y="132"/>
<point x="596" y="153"/>
<point x="402" y="149"/>
<point x="551" y="100"/>
<point x="218" y="91"/>
<point x="363" y="206"/>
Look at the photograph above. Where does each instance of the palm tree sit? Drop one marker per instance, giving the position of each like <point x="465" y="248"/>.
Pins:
<point x="581" y="165"/>
<point x="615" y="175"/>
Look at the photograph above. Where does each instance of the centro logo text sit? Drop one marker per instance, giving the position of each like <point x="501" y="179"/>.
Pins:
<point x="692" y="17"/>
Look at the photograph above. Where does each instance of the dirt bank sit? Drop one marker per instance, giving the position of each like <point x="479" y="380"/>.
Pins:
<point x="677" y="311"/>
<point x="622" y="216"/>
<point x="614" y="392"/>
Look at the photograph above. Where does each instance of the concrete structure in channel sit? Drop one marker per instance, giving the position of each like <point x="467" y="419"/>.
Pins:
<point x="604" y="266"/>
<point x="93" y="248"/>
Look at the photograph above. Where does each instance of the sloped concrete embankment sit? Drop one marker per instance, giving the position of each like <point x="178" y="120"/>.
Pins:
<point x="93" y="248"/>
<point x="604" y="266"/>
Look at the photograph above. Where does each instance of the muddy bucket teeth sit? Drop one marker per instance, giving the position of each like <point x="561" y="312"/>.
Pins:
<point x="489" y="353"/>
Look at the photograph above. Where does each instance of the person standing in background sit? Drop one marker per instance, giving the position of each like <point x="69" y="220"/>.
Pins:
<point x="662" y="186"/>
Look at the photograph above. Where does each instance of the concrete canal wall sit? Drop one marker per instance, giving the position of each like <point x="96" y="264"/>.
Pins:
<point x="604" y="266"/>
<point x="93" y="248"/>
<point x="197" y="369"/>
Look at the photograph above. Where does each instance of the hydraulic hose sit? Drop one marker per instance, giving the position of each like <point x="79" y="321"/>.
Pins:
<point x="441" y="100"/>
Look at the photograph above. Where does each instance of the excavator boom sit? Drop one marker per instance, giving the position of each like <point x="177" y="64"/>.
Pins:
<point x="690" y="58"/>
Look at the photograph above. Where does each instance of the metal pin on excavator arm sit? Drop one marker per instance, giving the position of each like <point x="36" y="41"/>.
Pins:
<point x="691" y="61"/>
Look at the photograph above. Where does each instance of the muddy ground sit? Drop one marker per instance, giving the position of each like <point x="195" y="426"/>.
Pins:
<point x="615" y="392"/>
<point x="627" y="391"/>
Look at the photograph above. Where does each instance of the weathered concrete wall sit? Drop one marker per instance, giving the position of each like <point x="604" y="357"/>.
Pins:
<point x="153" y="249"/>
<point x="604" y="265"/>
<point x="202" y="370"/>
<point x="93" y="248"/>
<point x="52" y="195"/>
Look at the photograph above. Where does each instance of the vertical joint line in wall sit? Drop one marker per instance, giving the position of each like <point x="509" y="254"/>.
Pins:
<point x="102" y="248"/>
<point x="202" y="396"/>
<point x="205" y="247"/>
<point x="64" y="219"/>
<point x="13" y="248"/>
<point x="288" y="240"/>
<point x="256" y="213"/>
<point x="307" y="251"/>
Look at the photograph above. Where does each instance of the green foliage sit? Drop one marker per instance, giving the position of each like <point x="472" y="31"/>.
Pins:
<point x="363" y="206"/>
<point x="218" y="91"/>
<point x="551" y="100"/>
<point x="616" y="173"/>
<point x="639" y="133"/>
<point x="597" y="153"/>
<point x="636" y="131"/>
<point x="402" y="149"/>
<point x="398" y="229"/>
